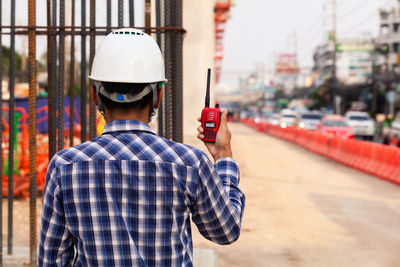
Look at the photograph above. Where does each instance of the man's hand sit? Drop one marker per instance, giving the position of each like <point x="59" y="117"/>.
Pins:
<point x="222" y="146"/>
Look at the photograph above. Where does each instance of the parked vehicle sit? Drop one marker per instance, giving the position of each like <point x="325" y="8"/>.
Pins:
<point x="287" y="118"/>
<point x="274" y="119"/>
<point x="309" y="120"/>
<point x="336" y="125"/>
<point x="362" y="124"/>
<point x="391" y="132"/>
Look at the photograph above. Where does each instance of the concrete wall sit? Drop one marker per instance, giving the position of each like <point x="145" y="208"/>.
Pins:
<point x="198" y="55"/>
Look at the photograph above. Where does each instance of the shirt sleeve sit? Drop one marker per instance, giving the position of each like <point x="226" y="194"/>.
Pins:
<point x="56" y="246"/>
<point x="219" y="205"/>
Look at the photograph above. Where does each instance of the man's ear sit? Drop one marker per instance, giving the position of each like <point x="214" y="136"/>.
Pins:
<point x="93" y="94"/>
<point x="160" y="92"/>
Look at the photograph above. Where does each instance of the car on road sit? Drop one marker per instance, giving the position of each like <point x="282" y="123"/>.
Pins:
<point x="391" y="132"/>
<point x="336" y="125"/>
<point x="287" y="118"/>
<point x="273" y="119"/>
<point x="309" y="120"/>
<point x="362" y="124"/>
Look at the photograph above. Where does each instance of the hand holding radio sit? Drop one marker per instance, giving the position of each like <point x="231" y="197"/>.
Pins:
<point x="214" y="130"/>
<point x="221" y="148"/>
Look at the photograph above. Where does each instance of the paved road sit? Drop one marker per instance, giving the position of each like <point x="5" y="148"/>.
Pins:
<point x="306" y="210"/>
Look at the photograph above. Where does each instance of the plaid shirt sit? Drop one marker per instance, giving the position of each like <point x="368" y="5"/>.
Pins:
<point x="125" y="198"/>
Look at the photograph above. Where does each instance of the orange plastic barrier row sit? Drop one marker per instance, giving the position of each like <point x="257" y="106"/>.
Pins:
<point x="376" y="159"/>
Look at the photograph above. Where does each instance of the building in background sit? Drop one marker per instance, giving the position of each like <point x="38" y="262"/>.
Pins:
<point x="286" y="72"/>
<point x="323" y="63"/>
<point x="389" y="37"/>
<point x="353" y="61"/>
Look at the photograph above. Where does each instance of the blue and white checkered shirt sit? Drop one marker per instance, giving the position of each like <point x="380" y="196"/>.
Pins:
<point x="125" y="199"/>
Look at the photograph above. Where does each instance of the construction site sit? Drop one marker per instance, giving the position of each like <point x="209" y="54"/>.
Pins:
<point x="313" y="198"/>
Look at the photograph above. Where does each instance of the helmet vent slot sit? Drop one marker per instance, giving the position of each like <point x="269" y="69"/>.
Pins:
<point x="131" y="33"/>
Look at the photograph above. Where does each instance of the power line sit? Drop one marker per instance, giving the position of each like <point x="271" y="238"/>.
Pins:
<point x="365" y="19"/>
<point x="313" y="25"/>
<point x="339" y="3"/>
<point x="359" y="23"/>
<point x="354" y="9"/>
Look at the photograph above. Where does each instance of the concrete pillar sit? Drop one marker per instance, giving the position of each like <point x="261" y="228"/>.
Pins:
<point x="198" y="55"/>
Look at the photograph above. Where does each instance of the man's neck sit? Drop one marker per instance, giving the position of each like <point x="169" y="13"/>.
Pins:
<point x="119" y="115"/>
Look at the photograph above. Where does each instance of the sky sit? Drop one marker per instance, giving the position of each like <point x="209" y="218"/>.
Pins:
<point x="258" y="30"/>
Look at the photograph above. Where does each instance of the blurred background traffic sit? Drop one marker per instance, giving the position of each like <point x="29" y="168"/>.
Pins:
<point x="344" y="63"/>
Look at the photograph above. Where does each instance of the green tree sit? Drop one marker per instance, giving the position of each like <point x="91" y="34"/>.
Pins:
<point x="6" y="60"/>
<point x="320" y="96"/>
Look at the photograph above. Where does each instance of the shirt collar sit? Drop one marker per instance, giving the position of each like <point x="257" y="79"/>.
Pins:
<point x="127" y="126"/>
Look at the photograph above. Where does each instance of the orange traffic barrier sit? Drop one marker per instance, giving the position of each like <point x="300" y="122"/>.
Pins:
<point x="394" y="174"/>
<point x="392" y="163"/>
<point x="368" y="157"/>
<point x="376" y="159"/>
<point x="321" y="142"/>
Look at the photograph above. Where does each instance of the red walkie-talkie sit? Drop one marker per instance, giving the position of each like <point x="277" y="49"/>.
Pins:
<point x="210" y="117"/>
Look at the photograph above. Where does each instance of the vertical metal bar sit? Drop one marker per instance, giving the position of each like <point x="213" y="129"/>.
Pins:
<point x="168" y="71"/>
<point x="11" y="133"/>
<point x="72" y="77"/>
<point x="61" y="66"/>
<point x="83" y="73"/>
<point x="53" y="101"/>
<point x="50" y="84"/>
<point x="120" y="13"/>
<point x="108" y="16"/>
<point x="147" y="16"/>
<point x="32" y="134"/>
<point x="158" y="21"/>
<point x="92" y="107"/>
<point x="177" y="94"/>
<point x="1" y="133"/>
<point x="131" y="13"/>
<point x="158" y="34"/>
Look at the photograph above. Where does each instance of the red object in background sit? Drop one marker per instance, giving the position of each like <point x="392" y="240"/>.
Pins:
<point x="287" y="64"/>
<point x="222" y="13"/>
<point x="336" y="125"/>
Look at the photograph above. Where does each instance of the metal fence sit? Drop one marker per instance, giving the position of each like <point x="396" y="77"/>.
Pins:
<point x="67" y="64"/>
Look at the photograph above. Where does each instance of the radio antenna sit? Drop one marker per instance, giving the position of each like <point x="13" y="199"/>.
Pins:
<point x="207" y="104"/>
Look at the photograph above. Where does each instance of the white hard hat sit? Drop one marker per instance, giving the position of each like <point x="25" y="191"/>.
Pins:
<point x="128" y="56"/>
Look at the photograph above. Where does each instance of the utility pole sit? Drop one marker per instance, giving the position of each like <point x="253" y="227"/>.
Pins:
<point x="333" y="79"/>
<point x="374" y="83"/>
<point x="296" y="63"/>
<point x="263" y="85"/>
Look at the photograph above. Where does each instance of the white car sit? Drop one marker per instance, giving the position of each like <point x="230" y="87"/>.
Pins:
<point x="309" y="120"/>
<point x="273" y="119"/>
<point x="287" y="118"/>
<point x="362" y="124"/>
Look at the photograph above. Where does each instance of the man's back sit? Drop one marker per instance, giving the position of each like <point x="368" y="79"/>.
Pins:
<point x="125" y="198"/>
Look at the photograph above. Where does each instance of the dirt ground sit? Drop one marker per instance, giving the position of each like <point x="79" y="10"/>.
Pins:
<point x="306" y="210"/>
<point x="301" y="210"/>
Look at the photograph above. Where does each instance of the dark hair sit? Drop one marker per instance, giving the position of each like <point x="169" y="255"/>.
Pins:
<point x="125" y="88"/>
